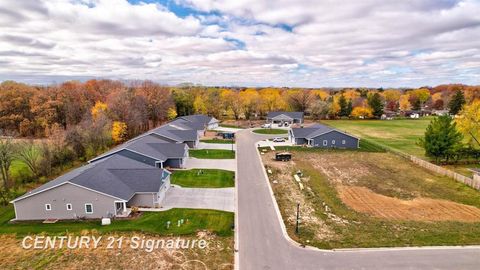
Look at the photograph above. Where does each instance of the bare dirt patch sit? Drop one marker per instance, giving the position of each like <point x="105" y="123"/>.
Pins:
<point x="364" y="200"/>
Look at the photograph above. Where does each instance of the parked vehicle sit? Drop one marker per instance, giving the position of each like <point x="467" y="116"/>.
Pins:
<point x="279" y="139"/>
<point x="286" y="124"/>
<point x="266" y="125"/>
<point x="280" y="125"/>
<point x="283" y="156"/>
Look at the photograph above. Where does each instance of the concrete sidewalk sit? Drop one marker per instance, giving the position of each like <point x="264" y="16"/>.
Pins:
<point x="222" y="164"/>
<point x="222" y="146"/>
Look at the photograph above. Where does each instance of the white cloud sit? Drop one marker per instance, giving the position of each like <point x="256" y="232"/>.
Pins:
<point x="244" y="42"/>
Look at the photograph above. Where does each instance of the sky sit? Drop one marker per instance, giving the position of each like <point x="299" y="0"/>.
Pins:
<point x="292" y="43"/>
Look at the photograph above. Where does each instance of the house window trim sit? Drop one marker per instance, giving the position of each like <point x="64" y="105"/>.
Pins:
<point x="325" y="142"/>
<point x="91" y="206"/>
<point x="48" y="207"/>
<point x="343" y="142"/>
<point x="333" y="142"/>
<point x="69" y="208"/>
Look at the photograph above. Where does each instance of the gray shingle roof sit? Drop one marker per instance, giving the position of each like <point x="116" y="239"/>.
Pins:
<point x="117" y="176"/>
<point x="199" y="118"/>
<point x="176" y="134"/>
<point x="313" y="131"/>
<point x="294" y="115"/>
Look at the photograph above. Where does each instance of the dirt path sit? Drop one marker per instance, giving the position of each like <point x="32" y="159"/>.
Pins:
<point x="364" y="200"/>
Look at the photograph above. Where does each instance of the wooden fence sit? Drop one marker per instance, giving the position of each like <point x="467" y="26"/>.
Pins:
<point x="472" y="182"/>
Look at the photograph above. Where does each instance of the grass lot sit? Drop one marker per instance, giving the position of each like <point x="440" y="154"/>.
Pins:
<point x="402" y="134"/>
<point x="223" y="141"/>
<point x="218" y="222"/>
<point x="327" y="222"/>
<point x="270" y="131"/>
<point x="203" y="178"/>
<point x="212" y="154"/>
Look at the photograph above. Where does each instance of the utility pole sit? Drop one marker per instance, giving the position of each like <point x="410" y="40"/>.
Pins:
<point x="298" y="218"/>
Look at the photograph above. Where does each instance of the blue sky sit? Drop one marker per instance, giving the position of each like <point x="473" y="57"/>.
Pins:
<point x="302" y="43"/>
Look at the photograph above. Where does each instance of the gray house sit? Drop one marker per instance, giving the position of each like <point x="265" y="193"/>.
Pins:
<point x="151" y="150"/>
<point x="100" y="189"/>
<point x="322" y="136"/>
<point x="285" y="117"/>
<point x="176" y="134"/>
<point x="208" y="122"/>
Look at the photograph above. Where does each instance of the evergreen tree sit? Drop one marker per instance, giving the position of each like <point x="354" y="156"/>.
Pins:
<point x="342" y="102"/>
<point x="376" y="103"/>
<point x="442" y="139"/>
<point x="457" y="102"/>
<point x="349" y="107"/>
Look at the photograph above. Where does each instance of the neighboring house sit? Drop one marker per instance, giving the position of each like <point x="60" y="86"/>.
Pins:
<point x="185" y="124"/>
<point x="100" y="189"/>
<point x="175" y="134"/>
<point x="322" y="136"/>
<point x="285" y="117"/>
<point x="151" y="150"/>
<point x="207" y="121"/>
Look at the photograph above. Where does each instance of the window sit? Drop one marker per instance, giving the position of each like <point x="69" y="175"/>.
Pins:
<point x="343" y="141"/>
<point x="69" y="206"/>
<point x="333" y="142"/>
<point x="325" y="143"/>
<point x="88" y="208"/>
<point x="48" y="207"/>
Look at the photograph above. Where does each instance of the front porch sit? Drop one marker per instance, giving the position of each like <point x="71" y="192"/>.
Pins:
<point x="121" y="209"/>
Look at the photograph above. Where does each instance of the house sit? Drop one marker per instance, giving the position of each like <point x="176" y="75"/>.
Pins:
<point x="322" y="136"/>
<point x="285" y="117"/>
<point x="207" y="121"/>
<point x="176" y="134"/>
<point x="152" y="151"/>
<point x="99" y="189"/>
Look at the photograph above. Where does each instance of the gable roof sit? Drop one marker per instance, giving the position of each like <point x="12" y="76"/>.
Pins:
<point x="149" y="146"/>
<point x="200" y="118"/>
<point x="315" y="131"/>
<point x="293" y="115"/>
<point x="175" y="133"/>
<point x="117" y="176"/>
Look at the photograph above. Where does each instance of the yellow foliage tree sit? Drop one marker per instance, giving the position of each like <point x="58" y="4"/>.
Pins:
<point x="468" y="122"/>
<point x="250" y="102"/>
<point x="321" y="94"/>
<point x="171" y="113"/>
<point x="422" y="94"/>
<point x="98" y="109"/>
<point x="404" y="103"/>
<point x="119" y="131"/>
<point x="391" y="95"/>
<point x="199" y="105"/>
<point x="362" y="112"/>
<point x="436" y="96"/>
<point x="351" y="94"/>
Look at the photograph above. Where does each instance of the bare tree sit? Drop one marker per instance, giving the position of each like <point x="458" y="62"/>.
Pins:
<point x="7" y="154"/>
<point x="30" y="154"/>
<point x="301" y="100"/>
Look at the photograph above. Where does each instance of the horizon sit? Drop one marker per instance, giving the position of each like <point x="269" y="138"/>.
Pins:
<point x="374" y="44"/>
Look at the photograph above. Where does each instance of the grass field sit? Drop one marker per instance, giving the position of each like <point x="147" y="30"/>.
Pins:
<point x="217" y="222"/>
<point x="448" y="212"/>
<point x="270" y="131"/>
<point x="223" y="141"/>
<point x="203" y="178"/>
<point x="212" y="154"/>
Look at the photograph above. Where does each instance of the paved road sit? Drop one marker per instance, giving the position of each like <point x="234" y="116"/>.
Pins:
<point x="223" y="164"/>
<point x="201" y="198"/>
<point x="262" y="245"/>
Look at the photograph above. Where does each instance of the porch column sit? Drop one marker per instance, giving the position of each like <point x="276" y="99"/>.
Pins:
<point x="124" y="207"/>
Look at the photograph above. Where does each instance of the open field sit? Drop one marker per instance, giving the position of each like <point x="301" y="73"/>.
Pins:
<point x="217" y="255"/>
<point x="215" y="140"/>
<point x="270" y="131"/>
<point x="203" y="178"/>
<point x="372" y="199"/>
<point x="212" y="154"/>
<point x="217" y="222"/>
<point x="401" y="135"/>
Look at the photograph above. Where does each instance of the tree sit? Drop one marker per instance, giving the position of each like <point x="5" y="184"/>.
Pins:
<point x="441" y="139"/>
<point x="250" y="101"/>
<point x="199" y="105"/>
<point x="29" y="153"/>
<point x="319" y="109"/>
<point x="230" y="100"/>
<point x="171" y="113"/>
<point x="404" y="103"/>
<point x="119" y="131"/>
<point x="97" y="109"/>
<point x="457" y="102"/>
<point x="342" y="103"/>
<point x="300" y="100"/>
<point x="349" y="107"/>
<point x="7" y="154"/>
<point x="375" y="102"/>
<point x="469" y="122"/>
<point x="362" y="112"/>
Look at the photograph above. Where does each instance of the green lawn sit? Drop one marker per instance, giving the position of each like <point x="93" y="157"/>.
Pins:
<point x="218" y="222"/>
<point x="203" y="178"/>
<point x="223" y="141"/>
<point x="212" y="154"/>
<point x="270" y="131"/>
<point x="402" y="134"/>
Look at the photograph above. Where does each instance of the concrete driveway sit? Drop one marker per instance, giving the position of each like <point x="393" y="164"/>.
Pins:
<point x="222" y="146"/>
<point x="222" y="164"/>
<point x="268" y="143"/>
<point x="226" y="129"/>
<point x="200" y="198"/>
